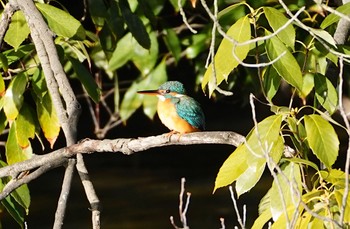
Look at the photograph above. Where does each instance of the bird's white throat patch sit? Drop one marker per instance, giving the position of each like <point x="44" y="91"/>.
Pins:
<point x="161" y="97"/>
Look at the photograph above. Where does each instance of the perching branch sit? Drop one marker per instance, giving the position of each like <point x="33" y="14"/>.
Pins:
<point x="126" y="146"/>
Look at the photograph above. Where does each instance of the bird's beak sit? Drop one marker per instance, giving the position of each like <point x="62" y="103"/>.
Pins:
<point x="149" y="92"/>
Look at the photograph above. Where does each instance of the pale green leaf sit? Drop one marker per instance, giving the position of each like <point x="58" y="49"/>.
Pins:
<point x="322" y="139"/>
<point x="157" y="77"/>
<point x="324" y="35"/>
<point x="18" y="30"/>
<point x="14" y="153"/>
<point x="339" y="197"/>
<point x="13" y="98"/>
<point x="308" y="85"/>
<point x="61" y="22"/>
<point x="225" y="61"/>
<point x="286" y="66"/>
<point x="282" y="192"/>
<point x="250" y="176"/>
<point x="325" y="93"/>
<point x="145" y="59"/>
<point x="262" y="220"/>
<point x="123" y="53"/>
<point x="131" y="102"/>
<point x="333" y="18"/>
<point x="276" y="20"/>
<point x="232" y="168"/>
<point x="267" y="139"/>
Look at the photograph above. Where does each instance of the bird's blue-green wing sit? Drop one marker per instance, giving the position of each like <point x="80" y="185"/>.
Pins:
<point x="191" y="111"/>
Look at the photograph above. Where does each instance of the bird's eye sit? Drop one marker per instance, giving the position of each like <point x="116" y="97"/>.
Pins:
<point x="167" y="91"/>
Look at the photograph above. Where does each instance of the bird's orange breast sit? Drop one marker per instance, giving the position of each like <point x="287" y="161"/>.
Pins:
<point x="169" y="117"/>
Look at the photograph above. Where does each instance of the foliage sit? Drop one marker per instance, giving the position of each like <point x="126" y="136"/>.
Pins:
<point x="131" y="45"/>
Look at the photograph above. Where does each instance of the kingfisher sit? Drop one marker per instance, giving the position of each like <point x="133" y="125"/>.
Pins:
<point x="177" y="111"/>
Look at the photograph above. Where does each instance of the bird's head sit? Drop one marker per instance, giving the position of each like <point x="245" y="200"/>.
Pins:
<point x="167" y="90"/>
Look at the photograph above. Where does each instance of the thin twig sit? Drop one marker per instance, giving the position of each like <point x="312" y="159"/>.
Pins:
<point x="241" y="223"/>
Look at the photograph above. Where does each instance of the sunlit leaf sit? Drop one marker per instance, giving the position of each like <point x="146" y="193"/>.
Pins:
<point x="276" y="20"/>
<point x="61" y="22"/>
<point x="308" y="85"/>
<point x="333" y="18"/>
<point x="324" y="35"/>
<point x="322" y="139"/>
<point x="123" y="53"/>
<point x="232" y="168"/>
<point x="286" y="66"/>
<point x="325" y="93"/>
<point x="48" y="119"/>
<point x="225" y="61"/>
<point x="86" y="79"/>
<point x="2" y="86"/>
<point x="251" y="175"/>
<point x="262" y="220"/>
<point x="131" y="102"/>
<point x="18" y="30"/>
<point x="282" y="192"/>
<point x="173" y="43"/>
<point x="14" y="152"/>
<point x="339" y="197"/>
<point x="157" y="77"/>
<point x="146" y="59"/>
<point x="13" y="98"/>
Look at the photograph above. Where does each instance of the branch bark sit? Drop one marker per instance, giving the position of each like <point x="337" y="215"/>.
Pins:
<point x="125" y="146"/>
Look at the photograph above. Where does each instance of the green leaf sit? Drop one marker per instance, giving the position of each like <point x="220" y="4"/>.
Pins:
<point x="86" y="79"/>
<point x="324" y="35"/>
<point x="276" y="20"/>
<point x="233" y="167"/>
<point x="22" y="196"/>
<point x="61" y="22"/>
<point x="15" y="55"/>
<point x="97" y="10"/>
<point x="146" y="59"/>
<point x="157" y="77"/>
<point x="2" y="86"/>
<point x="18" y="30"/>
<point x="271" y="82"/>
<point x="25" y="126"/>
<point x="196" y="46"/>
<point x="333" y="18"/>
<point x="262" y="220"/>
<point x="14" y="152"/>
<point x="251" y="175"/>
<point x="131" y="102"/>
<point x="287" y="67"/>
<point x="135" y="25"/>
<point x="322" y="139"/>
<point x="123" y="53"/>
<point x="48" y="119"/>
<point x="281" y="190"/>
<point x="268" y="135"/>
<point x="225" y="62"/>
<point x="325" y="93"/>
<point x="173" y="43"/>
<point x="13" y="98"/>
<point x="308" y="85"/>
<point x="339" y="198"/>
<point x="14" y="209"/>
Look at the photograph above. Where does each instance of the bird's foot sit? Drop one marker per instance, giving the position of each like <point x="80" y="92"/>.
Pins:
<point x="171" y="133"/>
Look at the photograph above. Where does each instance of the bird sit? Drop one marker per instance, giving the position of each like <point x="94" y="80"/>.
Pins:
<point x="179" y="112"/>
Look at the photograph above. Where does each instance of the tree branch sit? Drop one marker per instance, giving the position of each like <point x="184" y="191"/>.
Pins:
<point x="126" y="146"/>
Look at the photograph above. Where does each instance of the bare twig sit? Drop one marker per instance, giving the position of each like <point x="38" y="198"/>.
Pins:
<point x="184" y="19"/>
<point x="182" y="209"/>
<point x="239" y="218"/>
